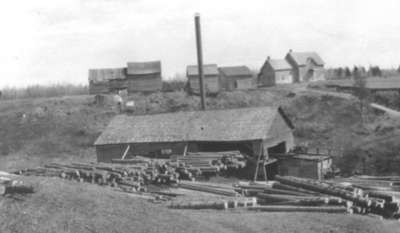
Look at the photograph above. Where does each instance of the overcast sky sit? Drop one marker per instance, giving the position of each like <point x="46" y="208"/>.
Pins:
<point x="57" y="41"/>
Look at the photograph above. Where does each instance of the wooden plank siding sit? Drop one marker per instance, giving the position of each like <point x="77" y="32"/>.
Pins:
<point x="211" y="84"/>
<point x="144" y="83"/>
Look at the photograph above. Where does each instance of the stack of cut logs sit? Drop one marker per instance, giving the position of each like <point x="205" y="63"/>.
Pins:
<point x="128" y="177"/>
<point x="210" y="162"/>
<point x="9" y="186"/>
<point x="299" y="194"/>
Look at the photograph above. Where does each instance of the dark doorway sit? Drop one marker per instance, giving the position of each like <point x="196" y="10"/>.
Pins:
<point x="272" y="168"/>
<point x="243" y="147"/>
<point x="280" y="148"/>
<point x="309" y="75"/>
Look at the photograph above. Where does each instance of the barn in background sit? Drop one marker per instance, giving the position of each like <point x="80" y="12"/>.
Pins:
<point x="236" y="78"/>
<point x="99" y="79"/>
<point x="211" y="78"/>
<point x="250" y="130"/>
<point x="275" y="71"/>
<point x="307" y="66"/>
<point x="144" y="76"/>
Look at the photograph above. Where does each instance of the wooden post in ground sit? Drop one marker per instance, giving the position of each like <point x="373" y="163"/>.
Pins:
<point x="261" y="162"/>
<point x="126" y="152"/>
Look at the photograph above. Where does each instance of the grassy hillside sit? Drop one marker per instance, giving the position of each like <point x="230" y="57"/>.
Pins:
<point x="37" y="131"/>
<point x="34" y="131"/>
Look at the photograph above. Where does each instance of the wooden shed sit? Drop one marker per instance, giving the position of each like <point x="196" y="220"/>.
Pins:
<point x="211" y="78"/>
<point x="275" y="71"/>
<point x="99" y="79"/>
<point x="249" y="130"/>
<point x="236" y="78"/>
<point x="307" y="66"/>
<point x="144" y="76"/>
<point x="305" y="166"/>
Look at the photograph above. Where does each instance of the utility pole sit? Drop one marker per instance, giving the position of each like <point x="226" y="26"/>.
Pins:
<point x="200" y="60"/>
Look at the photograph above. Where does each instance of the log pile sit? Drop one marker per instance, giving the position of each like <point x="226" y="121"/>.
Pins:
<point x="359" y="200"/>
<point x="211" y="162"/>
<point x="208" y="188"/>
<point x="223" y="204"/>
<point x="297" y="194"/>
<point x="126" y="177"/>
<point x="9" y="186"/>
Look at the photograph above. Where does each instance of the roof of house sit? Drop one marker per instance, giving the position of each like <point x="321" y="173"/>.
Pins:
<point x="208" y="69"/>
<point x="279" y="64"/>
<point x="140" y="68"/>
<point x="234" y="71"/>
<point x="211" y="125"/>
<point x="104" y="75"/>
<point x="301" y="58"/>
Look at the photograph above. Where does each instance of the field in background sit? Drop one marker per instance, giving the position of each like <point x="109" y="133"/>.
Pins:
<point x="59" y="90"/>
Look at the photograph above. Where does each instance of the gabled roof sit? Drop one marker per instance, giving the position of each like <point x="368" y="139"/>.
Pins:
<point x="208" y="69"/>
<point x="301" y="58"/>
<point x="234" y="71"/>
<point x="138" y="68"/>
<point x="212" y="125"/>
<point x="104" y="75"/>
<point x="279" y="64"/>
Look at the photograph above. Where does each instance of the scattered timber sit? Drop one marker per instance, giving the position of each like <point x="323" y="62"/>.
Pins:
<point x="208" y="189"/>
<point x="290" y="208"/>
<point x="211" y="162"/>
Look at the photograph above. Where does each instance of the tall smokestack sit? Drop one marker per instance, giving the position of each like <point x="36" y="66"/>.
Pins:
<point x="200" y="59"/>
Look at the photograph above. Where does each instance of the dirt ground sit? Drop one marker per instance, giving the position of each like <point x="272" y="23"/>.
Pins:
<point x="67" y="206"/>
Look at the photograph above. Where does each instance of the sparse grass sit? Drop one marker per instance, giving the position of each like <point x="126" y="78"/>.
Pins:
<point x="67" y="206"/>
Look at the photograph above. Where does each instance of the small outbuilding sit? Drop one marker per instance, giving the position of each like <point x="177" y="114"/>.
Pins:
<point x="305" y="165"/>
<point x="307" y="66"/>
<point x="144" y="76"/>
<point x="211" y="78"/>
<point x="250" y="130"/>
<point x="236" y="78"/>
<point x="99" y="79"/>
<point x="275" y="71"/>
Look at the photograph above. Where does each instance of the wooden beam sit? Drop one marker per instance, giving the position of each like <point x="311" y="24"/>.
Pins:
<point x="185" y="150"/>
<point x="126" y="152"/>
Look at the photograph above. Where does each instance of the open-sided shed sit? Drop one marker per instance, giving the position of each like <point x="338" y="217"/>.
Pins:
<point x="249" y="130"/>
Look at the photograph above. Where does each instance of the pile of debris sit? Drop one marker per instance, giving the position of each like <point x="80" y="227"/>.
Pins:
<point x="211" y="162"/>
<point x="299" y="194"/>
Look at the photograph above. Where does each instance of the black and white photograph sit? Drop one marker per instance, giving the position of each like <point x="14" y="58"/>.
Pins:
<point x="200" y="116"/>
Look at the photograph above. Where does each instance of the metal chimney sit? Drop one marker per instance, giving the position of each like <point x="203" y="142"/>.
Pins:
<point x="200" y="59"/>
